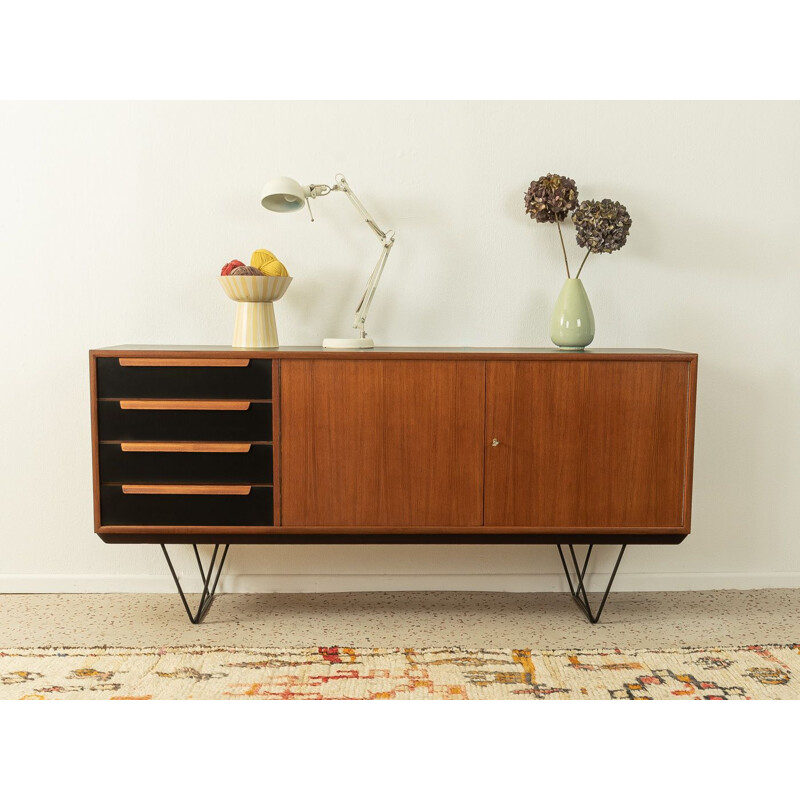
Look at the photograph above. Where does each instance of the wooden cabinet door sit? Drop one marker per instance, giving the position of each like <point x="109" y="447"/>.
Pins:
<point x="587" y="444"/>
<point x="369" y="442"/>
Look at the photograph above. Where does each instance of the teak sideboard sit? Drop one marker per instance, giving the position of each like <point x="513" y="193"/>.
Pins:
<point x="303" y="445"/>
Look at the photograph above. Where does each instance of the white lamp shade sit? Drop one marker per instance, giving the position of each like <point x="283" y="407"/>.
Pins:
<point x="282" y="195"/>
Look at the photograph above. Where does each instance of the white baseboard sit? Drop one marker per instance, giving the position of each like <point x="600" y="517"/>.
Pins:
<point x="553" y="582"/>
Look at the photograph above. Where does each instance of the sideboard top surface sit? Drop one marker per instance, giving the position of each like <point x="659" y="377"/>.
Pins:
<point x="398" y="352"/>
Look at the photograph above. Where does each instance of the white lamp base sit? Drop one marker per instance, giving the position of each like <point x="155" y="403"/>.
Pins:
<point x="349" y="344"/>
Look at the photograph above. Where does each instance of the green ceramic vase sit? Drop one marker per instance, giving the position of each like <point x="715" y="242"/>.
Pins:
<point x="572" y="323"/>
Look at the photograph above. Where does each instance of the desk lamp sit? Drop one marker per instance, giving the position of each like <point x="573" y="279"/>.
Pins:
<point x="286" y="194"/>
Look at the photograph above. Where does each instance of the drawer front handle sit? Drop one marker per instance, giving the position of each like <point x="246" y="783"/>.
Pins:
<point x="184" y="405"/>
<point x="140" y="488"/>
<point x="495" y="442"/>
<point x="185" y="447"/>
<point x="184" y="362"/>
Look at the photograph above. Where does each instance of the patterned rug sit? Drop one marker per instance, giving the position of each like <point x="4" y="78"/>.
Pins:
<point x="756" y="672"/>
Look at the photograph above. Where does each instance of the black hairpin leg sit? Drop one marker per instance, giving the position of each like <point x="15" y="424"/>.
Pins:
<point x="207" y="597"/>
<point x="578" y="592"/>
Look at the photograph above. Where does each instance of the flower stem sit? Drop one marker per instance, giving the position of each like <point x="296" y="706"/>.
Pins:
<point x="582" y="263"/>
<point x="563" y="249"/>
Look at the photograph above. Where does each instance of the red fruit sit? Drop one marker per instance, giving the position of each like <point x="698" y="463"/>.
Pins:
<point x="231" y="266"/>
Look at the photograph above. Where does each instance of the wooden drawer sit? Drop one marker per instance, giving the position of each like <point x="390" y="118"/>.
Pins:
<point x="119" y="506"/>
<point x="160" y="421"/>
<point x="203" y="462"/>
<point x="180" y="377"/>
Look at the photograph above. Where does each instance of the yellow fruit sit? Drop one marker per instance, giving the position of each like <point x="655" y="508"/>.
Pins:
<point x="261" y="258"/>
<point x="273" y="268"/>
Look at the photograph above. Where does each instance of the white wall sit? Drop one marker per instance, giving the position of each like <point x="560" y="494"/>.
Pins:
<point x="115" y="219"/>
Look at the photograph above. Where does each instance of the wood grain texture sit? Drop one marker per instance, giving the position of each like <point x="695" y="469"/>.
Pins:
<point x="690" y="422"/>
<point x="381" y="443"/>
<point x="276" y="442"/>
<point x="416" y="533"/>
<point x="184" y="362"/>
<point x="184" y="405"/>
<point x="587" y="444"/>
<point x="564" y="522"/>
<point x="185" y="447"/>
<point x="205" y="352"/>
<point x="168" y="488"/>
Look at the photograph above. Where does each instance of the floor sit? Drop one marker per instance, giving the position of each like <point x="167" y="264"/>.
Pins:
<point x="405" y="619"/>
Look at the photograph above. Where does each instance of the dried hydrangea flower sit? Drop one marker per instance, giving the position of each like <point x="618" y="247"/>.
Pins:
<point x="601" y="225"/>
<point x="551" y="198"/>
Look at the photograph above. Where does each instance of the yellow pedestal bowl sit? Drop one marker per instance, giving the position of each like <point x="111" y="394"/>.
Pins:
<point x="255" y="317"/>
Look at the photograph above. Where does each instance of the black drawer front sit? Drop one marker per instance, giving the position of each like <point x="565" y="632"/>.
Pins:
<point x="118" y="466"/>
<point x="117" y="508"/>
<point x="211" y="383"/>
<point x="117" y="424"/>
